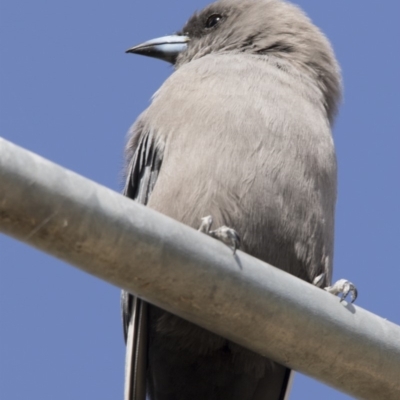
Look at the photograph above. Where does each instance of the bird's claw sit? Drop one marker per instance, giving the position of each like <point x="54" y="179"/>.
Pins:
<point x="226" y="235"/>
<point x="344" y="287"/>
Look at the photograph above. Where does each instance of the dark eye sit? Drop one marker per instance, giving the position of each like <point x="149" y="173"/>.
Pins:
<point x="213" y="20"/>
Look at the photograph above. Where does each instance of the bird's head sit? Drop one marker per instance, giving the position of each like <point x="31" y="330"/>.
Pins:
<point x="263" y="28"/>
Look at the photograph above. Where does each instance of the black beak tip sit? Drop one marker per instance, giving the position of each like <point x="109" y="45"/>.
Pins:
<point x="130" y="51"/>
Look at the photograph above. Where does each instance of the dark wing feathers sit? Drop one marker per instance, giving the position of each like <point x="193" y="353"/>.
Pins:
<point x="143" y="168"/>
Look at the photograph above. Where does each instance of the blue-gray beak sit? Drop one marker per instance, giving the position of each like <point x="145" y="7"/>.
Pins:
<point x="165" y="48"/>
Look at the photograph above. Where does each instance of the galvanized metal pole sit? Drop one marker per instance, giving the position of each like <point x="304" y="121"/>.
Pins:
<point x="196" y="277"/>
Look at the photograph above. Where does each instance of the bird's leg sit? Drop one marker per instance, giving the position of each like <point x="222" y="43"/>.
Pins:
<point x="226" y="235"/>
<point x="342" y="286"/>
<point x="206" y="223"/>
<point x="319" y="280"/>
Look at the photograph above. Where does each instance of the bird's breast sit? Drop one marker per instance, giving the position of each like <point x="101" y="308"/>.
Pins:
<point x="248" y="147"/>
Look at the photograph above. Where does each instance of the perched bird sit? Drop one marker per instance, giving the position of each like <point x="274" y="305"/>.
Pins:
<point x="241" y="132"/>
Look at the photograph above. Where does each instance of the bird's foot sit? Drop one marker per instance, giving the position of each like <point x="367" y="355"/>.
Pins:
<point x="342" y="286"/>
<point x="226" y="235"/>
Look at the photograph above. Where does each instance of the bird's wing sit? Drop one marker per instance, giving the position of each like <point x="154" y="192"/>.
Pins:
<point x="144" y="166"/>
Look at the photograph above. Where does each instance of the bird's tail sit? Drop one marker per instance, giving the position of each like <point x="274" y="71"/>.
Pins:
<point x="136" y="351"/>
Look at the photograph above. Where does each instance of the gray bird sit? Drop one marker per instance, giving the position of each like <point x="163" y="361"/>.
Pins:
<point x="241" y="132"/>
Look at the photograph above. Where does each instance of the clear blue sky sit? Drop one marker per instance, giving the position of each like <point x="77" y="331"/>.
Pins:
<point x="69" y="93"/>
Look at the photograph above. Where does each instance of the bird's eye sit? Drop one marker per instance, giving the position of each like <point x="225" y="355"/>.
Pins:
<point x="213" y="20"/>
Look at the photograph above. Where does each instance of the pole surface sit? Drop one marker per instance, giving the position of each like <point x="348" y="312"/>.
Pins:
<point x="197" y="277"/>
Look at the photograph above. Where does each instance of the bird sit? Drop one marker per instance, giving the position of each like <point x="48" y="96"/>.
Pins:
<point x="239" y="136"/>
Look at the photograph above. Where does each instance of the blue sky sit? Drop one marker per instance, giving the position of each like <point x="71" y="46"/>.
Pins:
<point x="69" y="93"/>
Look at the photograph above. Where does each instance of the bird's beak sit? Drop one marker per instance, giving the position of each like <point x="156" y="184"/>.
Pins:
<point x="165" y="48"/>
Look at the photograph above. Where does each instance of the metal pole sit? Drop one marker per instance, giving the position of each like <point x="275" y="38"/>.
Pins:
<point x="196" y="277"/>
